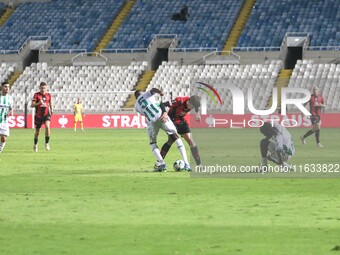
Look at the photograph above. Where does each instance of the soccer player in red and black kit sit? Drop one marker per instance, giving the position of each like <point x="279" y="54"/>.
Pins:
<point x="315" y="103"/>
<point x="179" y="108"/>
<point x="42" y="101"/>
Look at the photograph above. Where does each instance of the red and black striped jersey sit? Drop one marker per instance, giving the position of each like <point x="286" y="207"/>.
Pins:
<point x="178" y="109"/>
<point x="314" y="104"/>
<point x="42" y="111"/>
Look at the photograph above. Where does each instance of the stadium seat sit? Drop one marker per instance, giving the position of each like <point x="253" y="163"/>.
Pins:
<point x="83" y="81"/>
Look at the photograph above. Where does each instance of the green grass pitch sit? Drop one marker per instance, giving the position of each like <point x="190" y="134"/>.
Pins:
<point x="94" y="193"/>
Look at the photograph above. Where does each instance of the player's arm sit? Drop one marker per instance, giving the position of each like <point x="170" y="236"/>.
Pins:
<point x="322" y="104"/>
<point x="198" y="116"/>
<point x="163" y="106"/>
<point x="279" y="156"/>
<point x="279" y="148"/>
<point x="36" y="102"/>
<point x="155" y="90"/>
<point x="10" y="112"/>
<point x="51" y="106"/>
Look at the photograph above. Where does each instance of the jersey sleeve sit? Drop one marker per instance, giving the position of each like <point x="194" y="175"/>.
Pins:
<point x="35" y="97"/>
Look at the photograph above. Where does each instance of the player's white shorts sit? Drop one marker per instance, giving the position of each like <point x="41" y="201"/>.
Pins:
<point x="272" y="150"/>
<point x="153" y="129"/>
<point x="4" y="129"/>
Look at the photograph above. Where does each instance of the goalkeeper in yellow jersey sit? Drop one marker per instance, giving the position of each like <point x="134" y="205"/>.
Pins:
<point x="78" y="114"/>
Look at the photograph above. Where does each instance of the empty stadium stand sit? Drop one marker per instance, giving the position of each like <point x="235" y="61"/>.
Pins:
<point x="102" y="88"/>
<point x="6" y="70"/>
<point x="180" y="80"/>
<point x="270" y="20"/>
<point x="326" y="77"/>
<point x="71" y="24"/>
<point x="208" y="25"/>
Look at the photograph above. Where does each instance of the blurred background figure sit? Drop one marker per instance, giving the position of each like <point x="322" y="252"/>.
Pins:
<point x="78" y="114"/>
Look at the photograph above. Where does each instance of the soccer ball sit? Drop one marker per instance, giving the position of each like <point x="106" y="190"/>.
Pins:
<point x="179" y="165"/>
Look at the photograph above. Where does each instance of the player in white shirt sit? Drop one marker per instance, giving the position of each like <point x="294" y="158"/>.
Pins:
<point x="157" y="118"/>
<point x="278" y="142"/>
<point x="5" y="111"/>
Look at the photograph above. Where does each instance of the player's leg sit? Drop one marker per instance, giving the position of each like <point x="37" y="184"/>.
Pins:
<point x="273" y="153"/>
<point x="170" y="129"/>
<point x="75" y="122"/>
<point x="309" y="132"/>
<point x="193" y="148"/>
<point x="317" y="134"/>
<point x="36" y="137"/>
<point x="37" y="123"/>
<point x="2" y="142"/>
<point x="153" y="130"/>
<point x="47" y="135"/>
<point x="81" y="122"/>
<point x="274" y="157"/>
<point x="166" y="146"/>
<point x="4" y="132"/>
<point x="184" y="130"/>
<point x="264" y="143"/>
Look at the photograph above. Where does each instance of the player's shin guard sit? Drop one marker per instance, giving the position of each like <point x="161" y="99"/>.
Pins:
<point x="317" y="136"/>
<point x="156" y="152"/>
<point x="181" y="149"/>
<point x="165" y="148"/>
<point x="196" y="155"/>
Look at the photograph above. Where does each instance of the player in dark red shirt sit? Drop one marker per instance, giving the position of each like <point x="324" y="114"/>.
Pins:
<point x="179" y="108"/>
<point x="316" y="102"/>
<point x="42" y="101"/>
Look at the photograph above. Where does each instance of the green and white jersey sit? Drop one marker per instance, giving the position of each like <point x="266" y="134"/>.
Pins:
<point x="5" y="107"/>
<point x="147" y="105"/>
<point x="283" y="140"/>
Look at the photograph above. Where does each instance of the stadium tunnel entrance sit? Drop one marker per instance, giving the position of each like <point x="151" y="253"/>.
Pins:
<point x="292" y="56"/>
<point x="294" y="43"/>
<point x="161" y="55"/>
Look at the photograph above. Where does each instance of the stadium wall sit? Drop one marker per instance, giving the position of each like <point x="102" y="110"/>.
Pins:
<point x="187" y="58"/>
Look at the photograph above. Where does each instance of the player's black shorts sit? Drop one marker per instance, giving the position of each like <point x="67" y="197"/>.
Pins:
<point x="315" y="119"/>
<point x="39" y="121"/>
<point x="182" y="128"/>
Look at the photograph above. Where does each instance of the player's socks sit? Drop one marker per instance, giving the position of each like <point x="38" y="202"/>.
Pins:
<point x="181" y="149"/>
<point x="2" y="146"/>
<point x="196" y="155"/>
<point x="75" y="126"/>
<point x="35" y="147"/>
<point x="156" y="152"/>
<point x="310" y="132"/>
<point x="165" y="148"/>
<point x="82" y="126"/>
<point x="47" y="139"/>
<point x="317" y="136"/>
